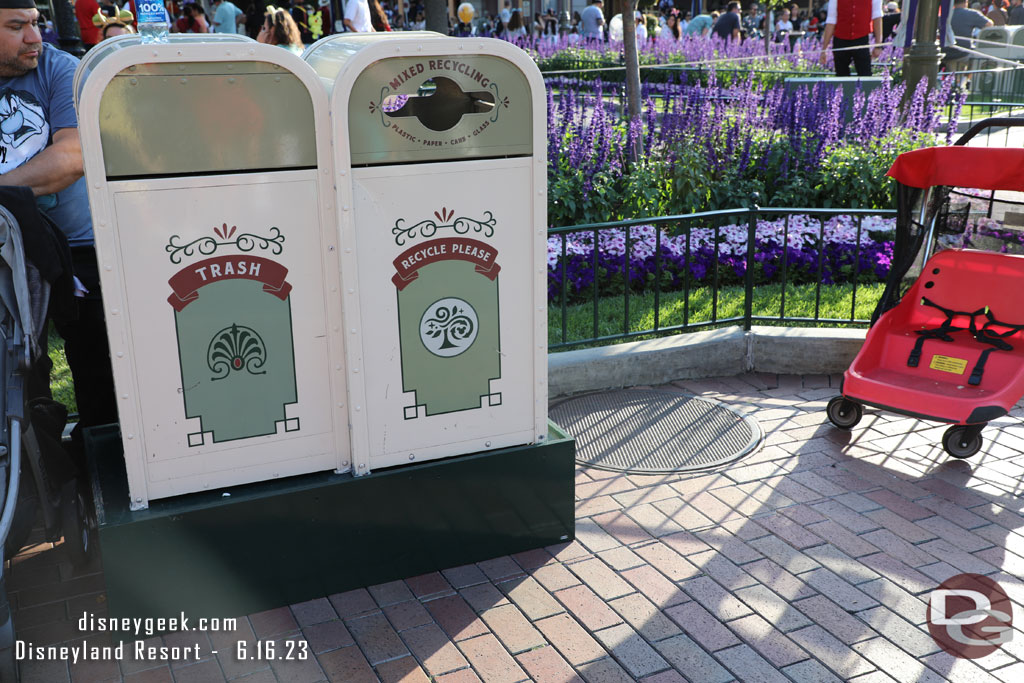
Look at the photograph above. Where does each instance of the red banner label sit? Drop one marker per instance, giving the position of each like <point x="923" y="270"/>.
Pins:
<point x="186" y="282"/>
<point x="448" y="249"/>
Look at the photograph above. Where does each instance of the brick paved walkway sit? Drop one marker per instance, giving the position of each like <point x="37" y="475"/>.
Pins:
<point x="810" y="560"/>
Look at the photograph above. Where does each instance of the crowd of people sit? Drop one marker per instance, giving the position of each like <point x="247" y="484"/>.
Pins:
<point x="664" y="22"/>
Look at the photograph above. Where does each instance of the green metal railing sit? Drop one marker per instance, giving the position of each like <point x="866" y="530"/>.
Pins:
<point x="683" y="226"/>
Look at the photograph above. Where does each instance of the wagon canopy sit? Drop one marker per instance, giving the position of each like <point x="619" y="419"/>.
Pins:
<point x="983" y="168"/>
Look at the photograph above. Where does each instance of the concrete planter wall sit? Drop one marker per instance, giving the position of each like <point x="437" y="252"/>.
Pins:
<point x="725" y="351"/>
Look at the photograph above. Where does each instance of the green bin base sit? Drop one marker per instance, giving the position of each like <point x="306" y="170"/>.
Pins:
<point x="286" y="541"/>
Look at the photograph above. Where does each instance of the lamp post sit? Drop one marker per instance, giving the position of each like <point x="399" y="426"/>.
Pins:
<point x="922" y="59"/>
<point x="66" y="23"/>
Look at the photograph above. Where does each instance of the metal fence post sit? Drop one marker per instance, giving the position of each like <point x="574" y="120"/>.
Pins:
<point x="748" y="293"/>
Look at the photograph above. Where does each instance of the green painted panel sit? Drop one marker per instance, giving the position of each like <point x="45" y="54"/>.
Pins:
<point x="453" y="309"/>
<point x="277" y="543"/>
<point x="237" y="359"/>
<point x="223" y="117"/>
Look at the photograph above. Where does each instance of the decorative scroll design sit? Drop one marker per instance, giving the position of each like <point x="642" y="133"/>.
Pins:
<point x="236" y="348"/>
<point x="499" y="102"/>
<point x="429" y="227"/>
<point x="245" y="241"/>
<point x="378" y="106"/>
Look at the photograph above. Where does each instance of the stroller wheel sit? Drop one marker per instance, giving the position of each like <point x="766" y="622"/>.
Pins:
<point x="961" y="442"/>
<point x="75" y="522"/>
<point x="844" y="413"/>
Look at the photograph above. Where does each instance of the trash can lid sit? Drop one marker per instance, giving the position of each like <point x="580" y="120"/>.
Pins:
<point x="118" y="43"/>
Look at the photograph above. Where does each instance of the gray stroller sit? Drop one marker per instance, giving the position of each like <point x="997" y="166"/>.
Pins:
<point x="35" y="472"/>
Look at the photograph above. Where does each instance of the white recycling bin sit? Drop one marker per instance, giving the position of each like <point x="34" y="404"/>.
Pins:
<point x="442" y="195"/>
<point x="209" y="167"/>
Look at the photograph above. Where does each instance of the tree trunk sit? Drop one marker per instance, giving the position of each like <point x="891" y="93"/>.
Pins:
<point x="437" y="16"/>
<point x="632" y="58"/>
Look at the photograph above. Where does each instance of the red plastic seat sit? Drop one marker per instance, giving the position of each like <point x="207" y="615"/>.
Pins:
<point x="938" y="388"/>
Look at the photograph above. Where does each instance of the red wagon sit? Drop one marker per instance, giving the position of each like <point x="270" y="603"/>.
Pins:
<point x="949" y="348"/>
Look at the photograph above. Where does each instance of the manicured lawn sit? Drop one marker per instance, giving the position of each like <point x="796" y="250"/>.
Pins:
<point x="836" y="302"/>
<point x="60" y="375"/>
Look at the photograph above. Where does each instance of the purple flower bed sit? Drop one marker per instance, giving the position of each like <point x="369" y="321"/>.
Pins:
<point x="843" y="258"/>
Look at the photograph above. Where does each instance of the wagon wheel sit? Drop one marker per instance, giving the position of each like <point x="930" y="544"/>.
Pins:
<point x="844" y="413"/>
<point x="75" y="522"/>
<point x="961" y="442"/>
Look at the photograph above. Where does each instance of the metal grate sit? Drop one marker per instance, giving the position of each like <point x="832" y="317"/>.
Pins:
<point x="641" y="430"/>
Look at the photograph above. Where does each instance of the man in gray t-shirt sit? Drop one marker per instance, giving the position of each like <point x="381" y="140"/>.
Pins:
<point x="964" y="22"/>
<point x="592" y="19"/>
<point x="39" y="149"/>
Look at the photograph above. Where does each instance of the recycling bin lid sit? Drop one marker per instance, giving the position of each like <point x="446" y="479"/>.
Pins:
<point x="423" y="97"/>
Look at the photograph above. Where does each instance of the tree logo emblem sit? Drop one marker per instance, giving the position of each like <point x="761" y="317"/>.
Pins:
<point x="449" y="327"/>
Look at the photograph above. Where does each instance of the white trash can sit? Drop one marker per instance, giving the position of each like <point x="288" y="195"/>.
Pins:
<point x="210" y="170"/>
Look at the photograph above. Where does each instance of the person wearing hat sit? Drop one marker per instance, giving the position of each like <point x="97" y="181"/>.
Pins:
<point x="39" y="149"/>
<point x="117" y="25"/>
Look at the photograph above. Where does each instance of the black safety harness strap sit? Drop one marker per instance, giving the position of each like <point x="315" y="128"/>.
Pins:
<point x="986" y="334"/>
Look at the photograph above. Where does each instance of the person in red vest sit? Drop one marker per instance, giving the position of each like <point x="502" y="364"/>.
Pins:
<point x="848" y="25"/>
<point x="84" y="11"/>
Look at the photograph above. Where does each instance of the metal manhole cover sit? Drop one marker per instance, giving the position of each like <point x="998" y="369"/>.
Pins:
<point x="639" y="430"/>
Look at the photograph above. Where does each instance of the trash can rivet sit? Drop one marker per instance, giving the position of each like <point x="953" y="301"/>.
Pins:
<point x="412" y="456"/>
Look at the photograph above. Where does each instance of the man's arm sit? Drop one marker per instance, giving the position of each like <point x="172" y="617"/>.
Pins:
<point x="53" y="169"/>
<point x="876" y="24"/>
<point x="826" y="40"/>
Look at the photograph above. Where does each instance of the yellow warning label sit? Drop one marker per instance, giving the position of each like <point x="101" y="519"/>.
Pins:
<point x="948" y="364"/>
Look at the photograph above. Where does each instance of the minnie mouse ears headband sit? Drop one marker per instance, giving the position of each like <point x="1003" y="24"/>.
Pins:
<point x="99" y="20"/>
